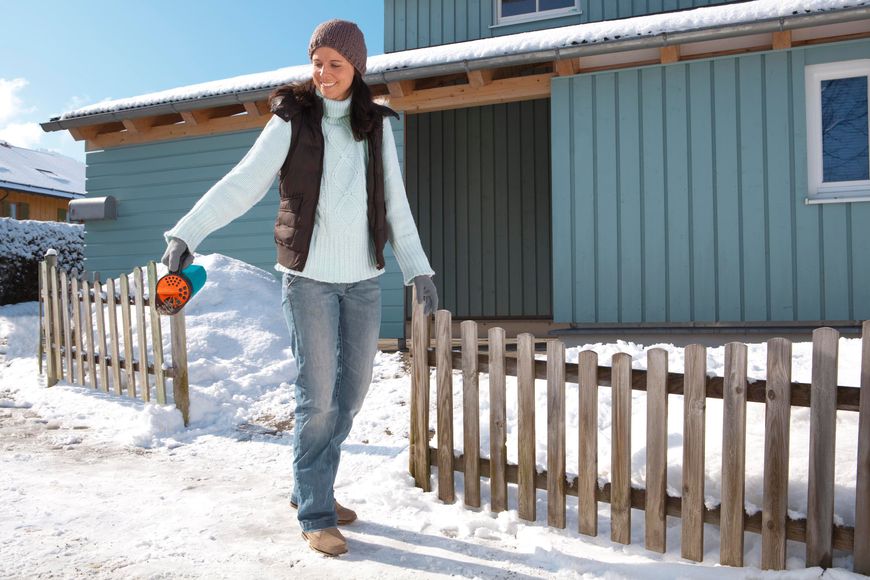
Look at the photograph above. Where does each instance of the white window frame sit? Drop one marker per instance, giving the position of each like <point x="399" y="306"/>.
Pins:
<point x="841" y="191"/>
<point x="532" y="16"/>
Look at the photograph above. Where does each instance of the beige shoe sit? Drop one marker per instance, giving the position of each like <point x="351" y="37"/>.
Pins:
<point x="345" y="514"/>
<point x="328" y="541"/>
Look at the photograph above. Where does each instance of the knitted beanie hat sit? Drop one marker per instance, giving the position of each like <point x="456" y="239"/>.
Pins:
<point x="344" y="37"/>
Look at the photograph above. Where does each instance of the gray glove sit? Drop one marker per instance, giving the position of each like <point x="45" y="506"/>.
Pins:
<point x="426" y="294"/>
<point x="177" y="257"/>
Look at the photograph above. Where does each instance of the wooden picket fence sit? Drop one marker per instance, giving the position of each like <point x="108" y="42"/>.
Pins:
<point x="778" y="393"/>
<point x="83" y="342"/>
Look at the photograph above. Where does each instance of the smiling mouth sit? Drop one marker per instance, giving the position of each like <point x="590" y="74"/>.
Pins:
<point x="327" y="85"/>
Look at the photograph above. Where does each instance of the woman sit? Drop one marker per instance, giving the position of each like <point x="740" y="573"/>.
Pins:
<point x="342" y="197"/>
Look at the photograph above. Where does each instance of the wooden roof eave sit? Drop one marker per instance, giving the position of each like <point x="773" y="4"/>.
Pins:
<point x="450" y="89"/>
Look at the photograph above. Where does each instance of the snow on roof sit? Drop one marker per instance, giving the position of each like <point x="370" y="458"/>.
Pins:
<point x="527" y="42"/>
<point x="40" y="172"/>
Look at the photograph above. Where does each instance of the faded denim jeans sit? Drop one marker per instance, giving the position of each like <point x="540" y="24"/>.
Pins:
<point x="334" y="332"/>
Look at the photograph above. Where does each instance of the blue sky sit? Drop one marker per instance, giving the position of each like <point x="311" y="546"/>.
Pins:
<point x="58" y="55"/>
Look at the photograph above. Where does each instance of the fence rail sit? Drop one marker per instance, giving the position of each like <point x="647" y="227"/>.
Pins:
<point x="83" y="343"/>
<point x="778" y="393"/>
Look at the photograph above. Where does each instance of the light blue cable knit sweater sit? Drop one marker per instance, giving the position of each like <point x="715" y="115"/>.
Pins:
<point x="342" y="250"/>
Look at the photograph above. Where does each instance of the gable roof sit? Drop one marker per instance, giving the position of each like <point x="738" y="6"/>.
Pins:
<point x="656" y="30"/>
<point x="41" y="172"/>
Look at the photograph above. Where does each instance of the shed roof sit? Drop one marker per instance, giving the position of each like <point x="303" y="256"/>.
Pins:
<point x="41" y="172"/>
<point x="592" y="38"/>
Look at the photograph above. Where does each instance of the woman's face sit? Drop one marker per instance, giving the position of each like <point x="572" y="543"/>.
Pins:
<point x="332" y="73"/>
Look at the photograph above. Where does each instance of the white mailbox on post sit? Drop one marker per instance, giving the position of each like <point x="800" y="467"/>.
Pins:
<point x="93" y="208"/>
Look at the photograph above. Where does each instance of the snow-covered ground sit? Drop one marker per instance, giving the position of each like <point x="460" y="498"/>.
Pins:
<point x="96" y="485"/>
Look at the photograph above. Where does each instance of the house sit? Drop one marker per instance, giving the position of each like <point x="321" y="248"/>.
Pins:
<point x="573" y="165"/>
<point x="38" y="185"/>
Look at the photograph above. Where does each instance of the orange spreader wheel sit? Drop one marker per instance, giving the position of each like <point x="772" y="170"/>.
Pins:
<point x="173" y="292"/>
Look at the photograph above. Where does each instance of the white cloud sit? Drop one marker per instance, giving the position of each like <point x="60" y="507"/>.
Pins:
<point x="11" y="105"/>
<point x="26" y="135"/>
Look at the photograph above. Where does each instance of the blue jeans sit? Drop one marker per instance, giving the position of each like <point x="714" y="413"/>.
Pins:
<point x="334" y="332"/>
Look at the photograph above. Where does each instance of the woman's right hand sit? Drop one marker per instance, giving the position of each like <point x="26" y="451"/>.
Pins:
<point x="177" y="257"/>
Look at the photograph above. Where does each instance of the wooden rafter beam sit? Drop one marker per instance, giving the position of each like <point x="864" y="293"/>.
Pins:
<point x="480" y="78"/>
<point x="401" y="88"/>
<point x="176" y="131"/>
<point x="195" y="117"/>
<point x="566" y="67"/>
<point x="669" y="54"/>
<point x="782" y="40"/>
<point x="252" y="109"/>
<point x="141" y="125"/>
<point x="461" y="96"/>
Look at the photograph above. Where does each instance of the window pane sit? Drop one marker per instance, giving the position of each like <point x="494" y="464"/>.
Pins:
<point x="517" y="7"/>
<point x="844" y="130"/>
<point x="555" y="4"/>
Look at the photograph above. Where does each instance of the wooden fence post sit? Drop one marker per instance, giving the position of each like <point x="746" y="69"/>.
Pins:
<point x="444" y="397"/>
<point x="655" y="532"/>
<point x="497" y="420"/>
<point x="141" y="333"/>
<point x="823" y="424"/>
<point x="67" y="330"/>
<point x="40" y="346"/>
<point x="694" y="407"/>
<point x="55" y="316"/>
<point x="51" y="373"/>
<point x="88" y="328"/>
<point x="156" y="335"/>
<point x="419" y="436"/>
<point x="776" y="445"/>
<point x="587" y="485"/>
<point x="527" y="470"/>
<point x="101" y="332"/>
<point x="179" y="362"/>
<point x="75" y="303"/>
<point x="733" y="456"/>
<point x="129" y="357"/>
<point x="620" y="450"/>
<point x="113" y="334"/>
<point x="556" y="434"/>
<point x="862" y="488"/>
<point x="471" y="413"/>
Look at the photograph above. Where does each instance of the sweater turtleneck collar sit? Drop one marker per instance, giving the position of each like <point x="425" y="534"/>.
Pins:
<point x="335" y="109"/>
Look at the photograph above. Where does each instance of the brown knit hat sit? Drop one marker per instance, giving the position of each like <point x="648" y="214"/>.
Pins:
<point x="344" y="37"/>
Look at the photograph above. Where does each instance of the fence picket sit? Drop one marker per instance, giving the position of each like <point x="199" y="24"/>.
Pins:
<point x="470" y="413"/>
<point x="620" y="469"/>
<point x="77" y="331"/>
<point x="51" y="375"/>
<point x="55" y="317"/>
<point x="497" y="420"/>
<point x="526" y="437"/>
<point x="862" y="488"/>
<point x="776" y="445"/>
<point x="141" y="334"/>
<point x="587" y="484"/>
<point x="101" y="332"/>
<point x="444" y="396"/>
<point x="694" y="406"/>
<point x="181" y="388"/>
<point x="129" y="357"/>
<point x="88" y="328"/>
<point x="113" y="334"/>
<point x="655" y="535"/>
<point x="556" y="434"/>
<point x="823" y="422"/>
<point x="419" y="437"/>
<point x="156" y="336"/>
<point x="733" y="456"/>
<point x="67" y="333"/>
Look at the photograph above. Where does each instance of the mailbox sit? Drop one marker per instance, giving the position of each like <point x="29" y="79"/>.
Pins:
<point x="93" y="208"/>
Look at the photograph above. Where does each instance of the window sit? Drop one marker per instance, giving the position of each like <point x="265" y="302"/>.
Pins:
<point x="61" y="214"/>
<point x="508" y="11"/>
<point x="838" y="156"/>
<point x="18" y="210"/>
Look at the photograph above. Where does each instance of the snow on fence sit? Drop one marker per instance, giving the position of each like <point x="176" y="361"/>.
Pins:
<point x="79" y="334"/>
<point x="778" y="393"/>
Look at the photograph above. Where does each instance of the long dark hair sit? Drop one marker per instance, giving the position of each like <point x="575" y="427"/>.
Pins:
<point x="365" y="114"/>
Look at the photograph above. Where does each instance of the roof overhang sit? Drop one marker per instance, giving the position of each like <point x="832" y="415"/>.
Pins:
<point x="39" y="190"/>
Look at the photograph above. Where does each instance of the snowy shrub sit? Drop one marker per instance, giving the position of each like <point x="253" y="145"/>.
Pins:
<point x="24" y="243"/>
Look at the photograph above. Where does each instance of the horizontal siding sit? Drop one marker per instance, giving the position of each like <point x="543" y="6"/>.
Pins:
<point x="679" y="197"/>
<point x="421" y="23"/>
<point x="156" y="183"/>
<point x="479" y="187"/>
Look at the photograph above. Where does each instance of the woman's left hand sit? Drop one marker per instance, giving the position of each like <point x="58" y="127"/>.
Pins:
<point x="426" y="294"/>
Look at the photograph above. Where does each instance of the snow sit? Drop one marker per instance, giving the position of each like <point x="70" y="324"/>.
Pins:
<point x="44" y="172"/>
<point x="97" y="485"/>
<point x="541" y="40"/>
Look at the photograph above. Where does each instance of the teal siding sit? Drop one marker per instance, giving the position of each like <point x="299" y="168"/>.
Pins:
<point x="156" y="183"/>
<point x="420" y="23"/>
<point x="479" y="186"/>
<point x="679" y="197"/>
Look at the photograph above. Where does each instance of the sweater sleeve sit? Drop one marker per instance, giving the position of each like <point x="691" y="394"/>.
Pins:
<point x="401" y="229"/>
<point x="238" y="190"/>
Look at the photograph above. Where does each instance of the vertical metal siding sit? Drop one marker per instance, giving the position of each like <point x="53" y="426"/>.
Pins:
<point x="678" y="195"/>
<point x="479" y="186"/>
<point x="420" y="23"/>
<point x="156" y="183"/>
